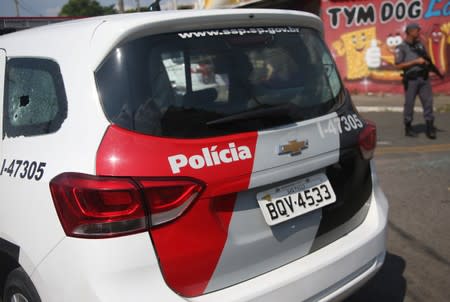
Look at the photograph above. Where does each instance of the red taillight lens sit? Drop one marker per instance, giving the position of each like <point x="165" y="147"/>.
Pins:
<point x="169" y="199"/>
<point x="113" y="203"/>
<point x="368" y="140"/>
<point x="92" y="206"/>
<point x="98" y="207"/>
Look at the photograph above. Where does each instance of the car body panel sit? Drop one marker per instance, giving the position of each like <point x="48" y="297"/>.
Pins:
<point x="132" y="26"/>
<point x="60" y="151"/>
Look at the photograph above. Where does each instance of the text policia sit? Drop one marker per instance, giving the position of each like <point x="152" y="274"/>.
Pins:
<point x="389" y="10"/>
<point x="210" y="156"/>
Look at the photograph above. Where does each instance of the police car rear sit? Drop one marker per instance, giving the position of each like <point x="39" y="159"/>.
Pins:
<point x="238" y="150"/>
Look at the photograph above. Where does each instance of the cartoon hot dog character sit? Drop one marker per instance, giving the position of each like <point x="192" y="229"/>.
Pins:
<point x="436" y="43"/>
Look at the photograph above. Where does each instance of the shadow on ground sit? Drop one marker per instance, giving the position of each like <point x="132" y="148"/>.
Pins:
<point x="422" y="128"/>
<point x="388" y="284"/>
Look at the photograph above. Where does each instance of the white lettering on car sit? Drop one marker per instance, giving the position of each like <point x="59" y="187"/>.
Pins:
<point x="339" y="125"/>
<point x="209" y="157"/>
<point x="238" y="32"/>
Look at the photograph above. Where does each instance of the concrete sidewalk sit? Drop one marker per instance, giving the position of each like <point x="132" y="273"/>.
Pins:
<point x="394" y="103"/>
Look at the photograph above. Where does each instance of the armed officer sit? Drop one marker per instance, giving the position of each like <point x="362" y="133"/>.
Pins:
<point x="411" y="57"/>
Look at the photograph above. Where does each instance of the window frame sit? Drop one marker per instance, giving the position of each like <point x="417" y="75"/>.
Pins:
<point x="52" y="126"/>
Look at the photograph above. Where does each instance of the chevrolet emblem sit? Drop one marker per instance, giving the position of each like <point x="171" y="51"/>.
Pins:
<point x="293" y="147"/>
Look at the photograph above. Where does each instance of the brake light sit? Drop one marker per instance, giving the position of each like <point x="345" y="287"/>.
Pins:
<point x="368" y="140"/>
<point x="99" y="207"/>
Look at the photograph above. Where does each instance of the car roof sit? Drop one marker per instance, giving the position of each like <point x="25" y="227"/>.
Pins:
<point x="96" y="36"/>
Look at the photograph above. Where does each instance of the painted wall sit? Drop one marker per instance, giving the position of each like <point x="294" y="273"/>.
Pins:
<point x="362" y="36"/>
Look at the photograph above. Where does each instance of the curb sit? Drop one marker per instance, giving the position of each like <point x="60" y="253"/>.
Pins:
<point x="365" y="109"/>
<point x="399" y="109"/>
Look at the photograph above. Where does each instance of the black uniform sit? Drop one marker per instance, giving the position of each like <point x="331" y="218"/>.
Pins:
<point x="416" y="81"/>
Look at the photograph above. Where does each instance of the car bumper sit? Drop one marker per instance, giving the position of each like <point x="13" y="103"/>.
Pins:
<point x="329" y="274"/>
<point x="103" y="270"/>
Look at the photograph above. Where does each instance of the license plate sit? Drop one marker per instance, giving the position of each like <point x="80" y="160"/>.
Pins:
<point x="295" y="199"/>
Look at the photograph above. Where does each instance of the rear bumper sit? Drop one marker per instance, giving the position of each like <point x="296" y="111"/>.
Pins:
<point x="127" y="269"/>
<point x="331" y="273"/>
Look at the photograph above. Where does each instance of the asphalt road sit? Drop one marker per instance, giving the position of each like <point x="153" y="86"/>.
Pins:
<point x="415" y="176"/>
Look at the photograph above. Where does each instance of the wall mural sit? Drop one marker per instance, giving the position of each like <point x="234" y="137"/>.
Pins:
<point x="363" y="35"/>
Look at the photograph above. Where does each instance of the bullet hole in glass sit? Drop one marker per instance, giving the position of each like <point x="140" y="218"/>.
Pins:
<point x="24" y="100"/>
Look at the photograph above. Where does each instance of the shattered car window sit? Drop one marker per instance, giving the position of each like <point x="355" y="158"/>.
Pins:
<point x="35" y="101"/>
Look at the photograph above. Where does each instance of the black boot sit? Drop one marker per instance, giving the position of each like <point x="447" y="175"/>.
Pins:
<point x="431" y="130"/>
<point x="409" y="130"/>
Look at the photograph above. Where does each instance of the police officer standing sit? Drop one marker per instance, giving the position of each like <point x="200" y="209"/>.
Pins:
<point x="415" y="80"/>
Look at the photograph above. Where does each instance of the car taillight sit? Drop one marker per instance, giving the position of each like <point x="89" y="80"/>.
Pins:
<point x="167" y="200"/>
<point x="99" y="207"/>
<point x="368" y="140"/>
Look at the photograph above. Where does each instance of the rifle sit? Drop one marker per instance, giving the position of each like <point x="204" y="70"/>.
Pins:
<point x="420" y="51"/>
<point x="404" y="80"/>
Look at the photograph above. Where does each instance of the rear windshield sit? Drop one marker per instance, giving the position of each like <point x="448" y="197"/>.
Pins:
<point x="218" y="82"/>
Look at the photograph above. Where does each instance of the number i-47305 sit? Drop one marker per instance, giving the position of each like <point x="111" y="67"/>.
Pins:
<point x="24" y="169"/>
<point x="339" y="125"/>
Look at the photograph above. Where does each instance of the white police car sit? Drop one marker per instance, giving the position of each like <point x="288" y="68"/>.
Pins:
<point x="255" y="184"/>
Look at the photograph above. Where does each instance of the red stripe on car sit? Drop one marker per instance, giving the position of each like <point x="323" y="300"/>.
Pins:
<point x="189" y="247"/>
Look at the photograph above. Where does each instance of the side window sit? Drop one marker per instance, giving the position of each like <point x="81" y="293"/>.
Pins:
<point x="322" y="66"/>
<point x="319" y="53"/>
<point x="330" y="69"/>
<point x="35" y="101"/>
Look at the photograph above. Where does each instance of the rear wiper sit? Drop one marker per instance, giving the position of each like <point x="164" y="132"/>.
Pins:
<point x="269" y="112"/>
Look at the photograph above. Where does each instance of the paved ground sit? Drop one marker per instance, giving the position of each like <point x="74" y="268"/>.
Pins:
<point x="441" y="102"/>
<point x="415" y="176"/>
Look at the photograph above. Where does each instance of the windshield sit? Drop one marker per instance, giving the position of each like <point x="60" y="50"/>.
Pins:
<point x="218" y="82"/>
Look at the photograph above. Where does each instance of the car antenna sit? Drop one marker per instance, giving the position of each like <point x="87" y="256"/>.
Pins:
<point x="155" y="7"/>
